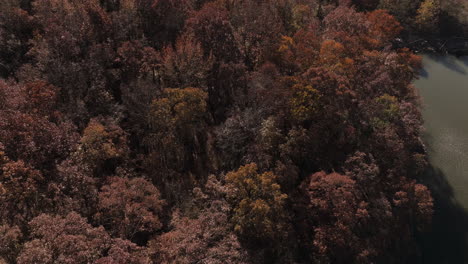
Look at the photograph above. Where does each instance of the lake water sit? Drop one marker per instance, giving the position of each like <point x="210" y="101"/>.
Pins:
<point x="443" y="87"/>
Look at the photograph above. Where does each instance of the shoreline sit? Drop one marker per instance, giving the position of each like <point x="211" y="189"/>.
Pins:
<point x="457" y="46"/>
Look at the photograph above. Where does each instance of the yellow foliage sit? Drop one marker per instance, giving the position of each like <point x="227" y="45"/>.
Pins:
<point x="301" y="16"/>
<point x="428" y="15"/>
<point x="175" y="116"/>
<point x="331" y="52"/>
<point x="286" y="43"/>
<point x="388" y="111"/>
<point x="180" y="108"/>
<point x="100" y="143"/>
<point x="258" y="203"/>
<point x="305" y="101"/>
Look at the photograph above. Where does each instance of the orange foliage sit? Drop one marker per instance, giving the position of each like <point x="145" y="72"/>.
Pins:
<point x="383" y="25"/>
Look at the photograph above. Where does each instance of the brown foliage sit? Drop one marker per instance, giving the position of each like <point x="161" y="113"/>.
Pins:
<point x="129" y="206"/>
<point x="10" y="243"/>
<point x="68" y="239"/>
<point x="20" y="191"/>
<point x="212" y="28"/>
<point x="179" y="89"/>
<point x="184" y="65"/>
<point x="205" y="238"/>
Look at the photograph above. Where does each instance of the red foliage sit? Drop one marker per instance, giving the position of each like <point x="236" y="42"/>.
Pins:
<point x="184" y="65"/>
<point x="20" y="189"/>
<point x="124" y="252"/>
<point x="339" y="212"/>
<point x="10" y="243"/>
<point x="292" y="86"/>
<point x="16" y="28"/>
<point x="212" y="28"/>
<point x="35" y="139"/>
<point x="257" y="29"/>
<point x="68" y="239"/>
<point x="206" y="237"/>
<point x="383" y="25"/>
<point x="136" y="59"/>
<point x="129" y="206"/>
<point x="41" y="97"/>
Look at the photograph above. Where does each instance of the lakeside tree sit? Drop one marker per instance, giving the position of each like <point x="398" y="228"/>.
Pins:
<point x="114" y="115"/>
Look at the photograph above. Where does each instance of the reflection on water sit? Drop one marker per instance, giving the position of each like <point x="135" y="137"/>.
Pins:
<point x="444" y="90"/>
<point x="445" y="112"/>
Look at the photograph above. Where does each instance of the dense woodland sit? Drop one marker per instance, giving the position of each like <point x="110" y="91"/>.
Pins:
<point x="195" y="131"/>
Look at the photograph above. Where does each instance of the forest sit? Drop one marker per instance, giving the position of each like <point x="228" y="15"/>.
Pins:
<point x="222" y="131"/>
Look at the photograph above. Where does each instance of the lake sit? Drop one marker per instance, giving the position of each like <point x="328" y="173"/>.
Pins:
<point x="443" y="87"/>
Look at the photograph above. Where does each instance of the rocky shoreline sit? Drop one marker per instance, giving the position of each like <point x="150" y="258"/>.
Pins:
<point x="457" y="46"/>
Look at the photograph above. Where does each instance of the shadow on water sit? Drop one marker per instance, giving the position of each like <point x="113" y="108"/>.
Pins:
<point x="446" y="242"/>
<point x="451" y="63"/>
<point x="464" y="59"/>
<point x="423" y="73"/>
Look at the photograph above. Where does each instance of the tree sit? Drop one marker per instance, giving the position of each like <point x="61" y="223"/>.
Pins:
<point x="174" y="139"/>
<point x="41" y="98"/>
<point x="29" y="129"/>
<point x="367" y="4"/>
<point x="136" y="60"/>
<point x="103" y="146"/>
<point x="427" y="18"/>
<point x="227" y="83"/>
<point x="16" y="28"/>
<point x="305" y="102"/>
<point x="74" y="187"/>
<point x="259" y="205"/>
<point x="404" y="10"/>
<point x="110" y="105"/>
<point x="174" y="123"/>
<point x="21" y="194"/>
<point x="185" y="65"/>
<point x="235" y="137"/>
<point x="68" y="239"/>
<point x="301" y="51"/>
<point x="130" y="207"/>
<point x="210" y="25"/>
<point x="206" y="237"/>
<point x="180" y="110"/>
<point x="387" y="111"/>
<point x="303" y="14"/>
<point x="253" y="23"/>
<point x="124" y="252"/>
<point x="383" y="26"/>
<point x="345" y="19"/>
<point x="336" y="206"/>
<point x="417" y="201"/>
<point x="162" y="21"/>
<point x="10" y="242"/>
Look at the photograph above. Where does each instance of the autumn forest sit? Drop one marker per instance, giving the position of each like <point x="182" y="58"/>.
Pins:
<point x="198" y="131"/>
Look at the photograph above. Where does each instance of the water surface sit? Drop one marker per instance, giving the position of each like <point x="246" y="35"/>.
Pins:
<point x="444" y="90"/>
<point x="443" y="87"/>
